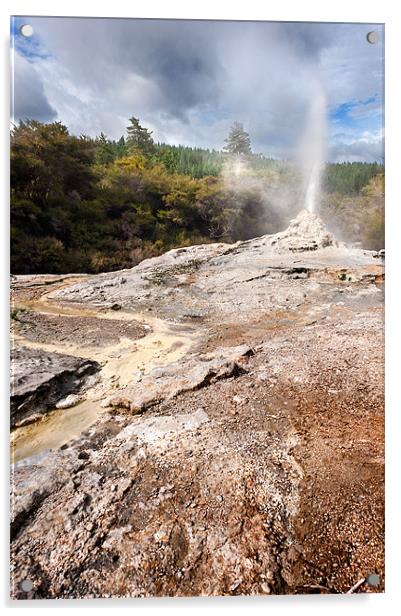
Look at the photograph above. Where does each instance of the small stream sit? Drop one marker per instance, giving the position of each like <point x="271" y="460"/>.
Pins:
<point x="164" y="344"/>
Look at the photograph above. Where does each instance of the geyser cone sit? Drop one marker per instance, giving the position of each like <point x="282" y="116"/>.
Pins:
<point x="305" y="232"/>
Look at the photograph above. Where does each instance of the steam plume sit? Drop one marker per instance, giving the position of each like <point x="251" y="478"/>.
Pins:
<point x="313" y="150"/>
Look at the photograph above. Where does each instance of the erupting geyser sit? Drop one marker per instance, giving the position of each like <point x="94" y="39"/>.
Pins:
<point x="313" y="188"/>
<point x="313" y="150"/>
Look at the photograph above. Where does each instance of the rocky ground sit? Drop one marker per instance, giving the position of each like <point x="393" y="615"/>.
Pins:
<point x="232" y="441"/>
<point x="40" y="381"/>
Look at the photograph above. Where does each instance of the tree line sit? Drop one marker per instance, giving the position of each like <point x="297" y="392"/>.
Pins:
<point x="80" y="204"/>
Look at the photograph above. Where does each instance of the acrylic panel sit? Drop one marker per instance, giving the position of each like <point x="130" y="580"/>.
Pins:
<point x="197" y="294"/>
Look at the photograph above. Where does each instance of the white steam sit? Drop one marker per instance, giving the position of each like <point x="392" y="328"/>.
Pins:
<point x="294" y="184"/>
<point x="312" y="151"/>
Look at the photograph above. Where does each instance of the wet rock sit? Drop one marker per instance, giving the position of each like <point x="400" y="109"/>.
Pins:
<point x="69" y="401"/>
<point x="40" y="379"/>
<point x="87" y="330"/>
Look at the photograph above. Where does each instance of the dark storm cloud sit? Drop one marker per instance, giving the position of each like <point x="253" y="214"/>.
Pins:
<point x="178" y="58"/>
<point x="29" y="100"/>
<point x="188" y="61"/>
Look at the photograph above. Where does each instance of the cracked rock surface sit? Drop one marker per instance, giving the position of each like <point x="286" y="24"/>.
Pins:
<point x="235" y="442"/>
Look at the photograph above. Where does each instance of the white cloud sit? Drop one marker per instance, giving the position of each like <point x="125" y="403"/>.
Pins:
<point x="369" y="147"/>
<point x="189" y="80"/>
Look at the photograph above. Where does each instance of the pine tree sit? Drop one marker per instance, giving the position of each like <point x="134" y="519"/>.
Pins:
<point x="104" y="150"/>
<point x="120" y="148"/>
<point x="238" y="141"/>
<point x="139" y="138"/>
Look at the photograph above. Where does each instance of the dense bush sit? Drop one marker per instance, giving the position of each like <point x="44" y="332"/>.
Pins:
<point x="90" y="205"/>
<point x="358" y="219"/>
<point x="349" y="178"/>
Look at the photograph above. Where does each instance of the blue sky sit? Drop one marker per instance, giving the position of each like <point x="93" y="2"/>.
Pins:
<point x="357" y="114"/>
<point x="188" y="81"/>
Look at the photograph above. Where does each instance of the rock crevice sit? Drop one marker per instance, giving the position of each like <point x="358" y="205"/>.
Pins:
<point x="243" y="453"/>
